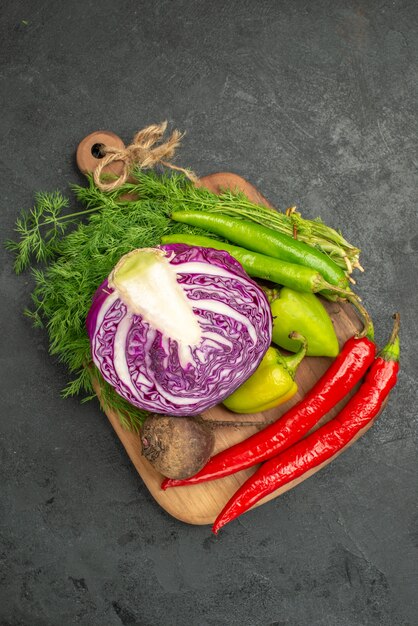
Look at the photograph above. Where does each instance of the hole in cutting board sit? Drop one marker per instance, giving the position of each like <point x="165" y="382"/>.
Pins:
<point x="97" y="150"/>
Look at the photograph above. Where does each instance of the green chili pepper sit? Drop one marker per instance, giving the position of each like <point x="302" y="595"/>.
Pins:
<point x="290" y="275"/>
<point x="271" y="384"/>
<point x="266" y="241"/>
<point x="260" y="266"/>
<point x="303" y="312"/>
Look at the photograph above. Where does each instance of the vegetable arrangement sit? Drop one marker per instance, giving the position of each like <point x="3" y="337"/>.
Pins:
<point x="69" y="265"/>
<point x="341" y="377"/>
<point x="325" y="442"/>
<point x="163" y="283"/>
<point x="298" y="277"/>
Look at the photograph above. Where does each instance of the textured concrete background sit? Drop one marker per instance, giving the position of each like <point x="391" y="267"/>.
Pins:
<point x="314" y="102"/>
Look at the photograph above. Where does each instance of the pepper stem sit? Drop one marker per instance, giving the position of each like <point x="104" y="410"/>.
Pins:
<point x="271" y="293"/>
<point x="368" y="329"/>
<point x="292" y="361"/>
<point x="351" y="297"/>
<point x="329" y="291"/>
<point x="392" y="349"/>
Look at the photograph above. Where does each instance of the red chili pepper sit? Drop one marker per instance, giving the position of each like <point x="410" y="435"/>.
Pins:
<point x="325" y="442"/>
<point x="343" y="374"/>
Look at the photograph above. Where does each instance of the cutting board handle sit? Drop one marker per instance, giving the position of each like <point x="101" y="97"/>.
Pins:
<point x="89" y="153"/>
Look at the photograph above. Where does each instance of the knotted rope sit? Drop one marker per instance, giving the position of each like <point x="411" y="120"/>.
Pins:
<point x="145" y="151"/>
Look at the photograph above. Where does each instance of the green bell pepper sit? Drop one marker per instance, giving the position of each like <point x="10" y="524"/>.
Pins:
<point x="303" y="312"/>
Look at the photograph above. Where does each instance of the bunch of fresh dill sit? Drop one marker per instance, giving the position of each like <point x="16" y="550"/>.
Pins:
<point x="68" y="264"/>
<point x="72" y="254"/>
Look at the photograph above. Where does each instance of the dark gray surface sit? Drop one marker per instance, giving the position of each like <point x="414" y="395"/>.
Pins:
<point x="315" y="103"/>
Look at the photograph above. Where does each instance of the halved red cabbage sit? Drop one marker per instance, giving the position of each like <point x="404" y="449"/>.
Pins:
<point x="176" y="329"/>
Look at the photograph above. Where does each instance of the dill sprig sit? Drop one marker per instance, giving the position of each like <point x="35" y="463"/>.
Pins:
<point x="71" y="254"/>
<point x="39" y="230"/>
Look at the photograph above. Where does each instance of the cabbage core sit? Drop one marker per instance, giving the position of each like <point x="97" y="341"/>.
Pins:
<point x="147" y="284"/>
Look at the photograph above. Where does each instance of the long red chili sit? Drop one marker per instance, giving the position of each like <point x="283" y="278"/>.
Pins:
<point x="325" y="442"/>
<point x="343" y="374"/>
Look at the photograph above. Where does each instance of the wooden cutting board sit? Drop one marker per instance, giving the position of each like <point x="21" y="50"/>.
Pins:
<point x="200" y="504"/>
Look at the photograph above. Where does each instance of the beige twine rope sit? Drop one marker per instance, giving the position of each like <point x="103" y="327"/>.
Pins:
<point x="145" y="151"/>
